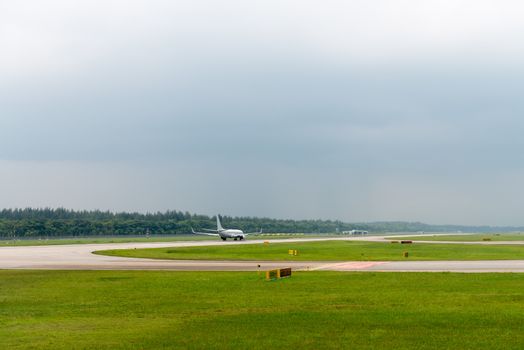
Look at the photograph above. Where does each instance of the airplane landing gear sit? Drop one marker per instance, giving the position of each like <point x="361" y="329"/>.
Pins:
<point x="235" y="238"/>
<point x="223" y="238"/>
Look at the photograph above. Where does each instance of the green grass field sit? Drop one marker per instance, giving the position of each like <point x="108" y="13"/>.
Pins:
<point x="91" y="240"/>
<point x="227" y="310"/>
<point x="467" y="238"/>
<point x="329" y="250"/>
<point x="124" y="239"/>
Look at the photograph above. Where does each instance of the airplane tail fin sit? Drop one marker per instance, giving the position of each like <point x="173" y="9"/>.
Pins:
<point x="219" y="225"/>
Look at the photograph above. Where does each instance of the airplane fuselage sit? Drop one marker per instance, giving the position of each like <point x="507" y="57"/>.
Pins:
<point x="230" y="233"/>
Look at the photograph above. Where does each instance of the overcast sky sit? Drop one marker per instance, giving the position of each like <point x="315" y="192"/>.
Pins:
<point x="352" y="110"/>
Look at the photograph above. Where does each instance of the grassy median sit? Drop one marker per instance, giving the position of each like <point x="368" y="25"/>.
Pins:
<point x="329" y="250"/>
<point x="495" y="237"/>
<point x="226" y="310"/>
<point x="134" y="239"/>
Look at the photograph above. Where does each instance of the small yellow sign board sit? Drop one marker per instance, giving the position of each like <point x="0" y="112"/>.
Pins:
<point x="292" y="252"/>
<point x="278" y="274"/>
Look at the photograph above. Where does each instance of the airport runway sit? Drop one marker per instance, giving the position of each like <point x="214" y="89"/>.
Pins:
<point x="80" y="257"/>
<point x="429" y="266"/>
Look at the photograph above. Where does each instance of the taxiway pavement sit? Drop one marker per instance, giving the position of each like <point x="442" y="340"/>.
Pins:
<point x="80" y="257"/>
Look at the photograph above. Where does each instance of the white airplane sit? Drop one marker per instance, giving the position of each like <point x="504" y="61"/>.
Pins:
<point x="225" y="233"/>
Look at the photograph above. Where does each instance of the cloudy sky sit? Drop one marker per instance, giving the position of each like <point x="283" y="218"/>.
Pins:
<point x="353" y="110"/>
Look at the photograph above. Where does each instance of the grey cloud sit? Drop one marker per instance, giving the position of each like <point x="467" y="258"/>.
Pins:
<point x="179" y="105"/>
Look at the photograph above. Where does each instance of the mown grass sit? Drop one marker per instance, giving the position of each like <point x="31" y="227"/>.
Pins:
<point x="227" y="310"/>
<point x="94" y="240"/>
<point x="500" y="237"/>
<point x="124" y="239"/>
<point x="329" y="251"/>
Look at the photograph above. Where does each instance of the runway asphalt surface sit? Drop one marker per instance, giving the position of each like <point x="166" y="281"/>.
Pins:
<point x="80" y="257"/>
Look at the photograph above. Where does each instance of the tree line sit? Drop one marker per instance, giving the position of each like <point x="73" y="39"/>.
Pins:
<point x="50" y="222"/>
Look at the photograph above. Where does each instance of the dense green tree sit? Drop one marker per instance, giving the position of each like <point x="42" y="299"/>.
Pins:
<point x="48" y="222"/>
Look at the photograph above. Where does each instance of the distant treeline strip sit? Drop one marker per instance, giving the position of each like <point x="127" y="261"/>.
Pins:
<point x="48" y="222"/>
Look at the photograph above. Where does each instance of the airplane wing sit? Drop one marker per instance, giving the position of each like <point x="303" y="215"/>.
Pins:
<point x="210" y="230"/>
<point x="253" y="233"/>
<point x="204" y="233"/>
